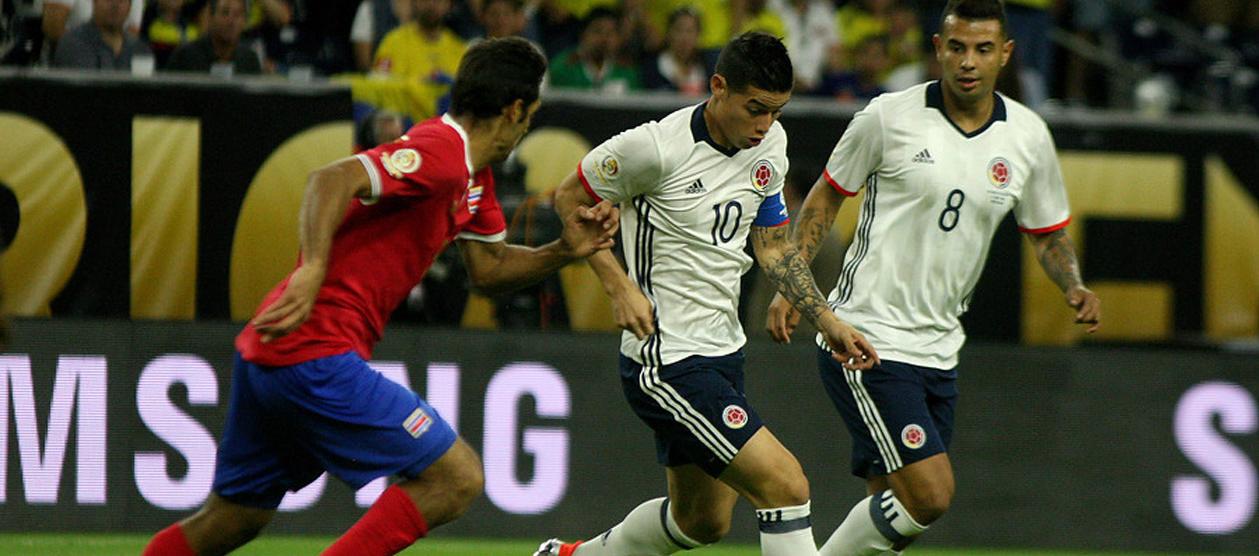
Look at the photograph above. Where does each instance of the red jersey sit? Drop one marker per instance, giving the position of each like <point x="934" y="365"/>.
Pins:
<point x="424" y="194"/>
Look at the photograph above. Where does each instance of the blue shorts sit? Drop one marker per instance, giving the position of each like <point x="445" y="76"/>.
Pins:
<point x="695" y="406"/>
<point x="287" y="425"/>
<point x="896" y="413"/>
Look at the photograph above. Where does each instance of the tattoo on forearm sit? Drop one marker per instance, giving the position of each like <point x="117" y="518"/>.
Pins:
<point x="790" y="274"/>
<point x="1057" y="257"/>
<point x="811" y="227"/>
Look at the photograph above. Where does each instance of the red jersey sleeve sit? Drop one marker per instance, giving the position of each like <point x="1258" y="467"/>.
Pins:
<point x="488" y="223"/>
<point x="416" y="164"/>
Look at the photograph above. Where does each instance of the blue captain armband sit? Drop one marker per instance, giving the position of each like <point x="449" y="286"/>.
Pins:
<point x="773" y="212"/>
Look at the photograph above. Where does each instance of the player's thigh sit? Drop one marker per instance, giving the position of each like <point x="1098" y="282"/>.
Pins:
<point x="357" y="423"/>
<point x="700" y="504"/>
<point x="888" y="413"/>
<point x="695" y="407"/>
<point x="767" y="474"/>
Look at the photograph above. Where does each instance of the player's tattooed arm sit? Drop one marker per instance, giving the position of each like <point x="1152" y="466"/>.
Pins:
<point x="814" y="221"/>
<point x="1057" y="257"/>
<point x="789" y="271"/>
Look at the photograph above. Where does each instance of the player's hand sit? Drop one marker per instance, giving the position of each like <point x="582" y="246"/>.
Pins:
<point x="782" y="319"/>
<point x="1088" y="307"/>
<point x="590" y="229"/>
<point x="848" y="346"/>
<point x="632" y="311"/>
<point x="293" y="306"/>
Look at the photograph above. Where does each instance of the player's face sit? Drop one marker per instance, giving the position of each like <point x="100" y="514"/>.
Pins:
<point x="971" y="54"/>
<point x="747" y="115"/>
<point x="514" y="129"/>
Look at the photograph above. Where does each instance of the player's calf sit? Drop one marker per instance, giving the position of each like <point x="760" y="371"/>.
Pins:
<point x="703" y="525"/>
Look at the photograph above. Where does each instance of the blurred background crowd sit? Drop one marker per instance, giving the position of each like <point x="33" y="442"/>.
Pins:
<point x="1149" y="55"/>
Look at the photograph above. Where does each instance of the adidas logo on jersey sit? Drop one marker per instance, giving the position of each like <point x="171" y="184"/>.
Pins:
<point x="923" y="157"/>
<point x="696" y="188"/>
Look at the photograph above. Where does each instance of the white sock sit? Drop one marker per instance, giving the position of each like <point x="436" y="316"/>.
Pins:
<point x="647" y="530"/>
<point x="872" y="527"/>
<point x="786" y="531"/>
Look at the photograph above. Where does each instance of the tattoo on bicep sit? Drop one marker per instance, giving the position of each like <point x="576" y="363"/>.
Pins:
<point x="790" y="273"/>
<point x="1057" y="257"/>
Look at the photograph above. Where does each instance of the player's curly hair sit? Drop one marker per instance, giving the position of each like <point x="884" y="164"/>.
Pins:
<point x="975" y="10"/>
<point x="495" y="73"/>
<point x="756" y="59"/>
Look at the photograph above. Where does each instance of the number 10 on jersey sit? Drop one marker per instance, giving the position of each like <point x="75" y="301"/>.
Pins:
<point x="726" y="221"/>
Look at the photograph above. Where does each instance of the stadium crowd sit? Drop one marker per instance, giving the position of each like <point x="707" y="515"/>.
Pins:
<point x="1194" y="54"/>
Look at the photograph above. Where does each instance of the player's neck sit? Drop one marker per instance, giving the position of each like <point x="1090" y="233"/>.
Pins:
<point x="968" y="116"/>
<point x="714" y="130"/>
<point x="481" y="134"/>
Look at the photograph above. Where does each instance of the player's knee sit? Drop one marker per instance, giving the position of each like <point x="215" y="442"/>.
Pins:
<point x="789" y="487"/>
<point x="706" y="527"/>
<point x="926" y="505"/>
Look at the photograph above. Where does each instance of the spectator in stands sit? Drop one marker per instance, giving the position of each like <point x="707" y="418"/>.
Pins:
<point x="755" y="15"/>
<point x="101" y="43"/>
<point x="221" y="45"/>
<point x="594" y="63"/>
<point x="426" y="49"/>
<point x="379" y="127"/>
<point x="894" y="20"/>
<point x="1030" y="21"/>
<point x="680" y="66"/>
<point x="643" y="40"/>
<point x="864" y="81"/>
<point x="375" y="19"/>
<point x="61" y="16"/>
<point x="502" y="18"/>
<point x="166" y="29"/>
<point x="811" y="36"/>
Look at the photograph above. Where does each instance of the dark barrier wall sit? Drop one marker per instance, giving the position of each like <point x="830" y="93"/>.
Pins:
<point x="110" y="425"/>
<point x="178" y="199"/>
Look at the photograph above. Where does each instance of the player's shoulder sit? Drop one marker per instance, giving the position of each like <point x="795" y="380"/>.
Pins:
<point x="1024" y="119"/>
<point x="900" y="102"/>
<point x="440" y="146"/>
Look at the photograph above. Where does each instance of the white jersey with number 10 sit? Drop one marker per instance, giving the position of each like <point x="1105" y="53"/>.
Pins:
<point x="687" y="205"/>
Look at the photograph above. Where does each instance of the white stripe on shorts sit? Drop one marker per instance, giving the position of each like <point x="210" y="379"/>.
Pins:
<point x="874" y="421"/>
<point x="682" y="411"/>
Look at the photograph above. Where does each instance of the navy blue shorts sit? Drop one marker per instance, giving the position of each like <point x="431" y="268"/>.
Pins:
<point x="695" y="406"/>
<point x="287" y="425"/>
<point x="896" y="413"/>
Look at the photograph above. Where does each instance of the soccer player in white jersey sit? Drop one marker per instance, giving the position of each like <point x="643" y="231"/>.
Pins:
<point x="942" y="164"/>
<point x="694" y="187"/>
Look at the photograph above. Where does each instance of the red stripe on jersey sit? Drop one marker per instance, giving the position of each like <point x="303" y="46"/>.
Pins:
<point x="1046" y="229"/>
<point x="780" y="224"/>
<point x="826" y="174"/>
<point x="586" y="185"/>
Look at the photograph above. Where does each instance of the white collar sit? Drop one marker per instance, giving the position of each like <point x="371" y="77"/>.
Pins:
<point x="467" y="148"/>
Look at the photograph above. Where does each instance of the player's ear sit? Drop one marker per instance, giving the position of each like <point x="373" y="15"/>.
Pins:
<point x="515" y="112"/>
<point x="717" y="84"/>
<point x="936" y="41"/>
<point x="1006" y="50"/>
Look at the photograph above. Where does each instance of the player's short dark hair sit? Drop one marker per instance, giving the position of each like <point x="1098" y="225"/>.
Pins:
<point x="756" y="59"/>
<point x="975" y="10"/>
<point x="495" y="73"/>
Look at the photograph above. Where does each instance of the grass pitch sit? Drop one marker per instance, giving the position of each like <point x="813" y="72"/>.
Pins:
<point x="75" y="544"/>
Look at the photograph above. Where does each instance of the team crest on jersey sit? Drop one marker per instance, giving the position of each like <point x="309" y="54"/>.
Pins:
<point x="418" y="423"/>
<point x="999" y="172"/>
<point x="762" y="174"/>
<point x="913" y="437"/>
<point x="610" y="166"/>
<point x="734" y="416"/>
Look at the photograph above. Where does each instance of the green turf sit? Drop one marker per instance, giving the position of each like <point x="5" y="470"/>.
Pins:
<point x="280" y="545"/>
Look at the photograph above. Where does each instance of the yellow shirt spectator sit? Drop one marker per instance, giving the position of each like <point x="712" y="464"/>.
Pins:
<point x="714" y="19"/>
<point x="767" y="21"/>
<point x="406" y="52"/>
<point x="580" y="8"/>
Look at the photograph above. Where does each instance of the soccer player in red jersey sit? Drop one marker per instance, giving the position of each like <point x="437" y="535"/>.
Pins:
<point x="304" y="401"/>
